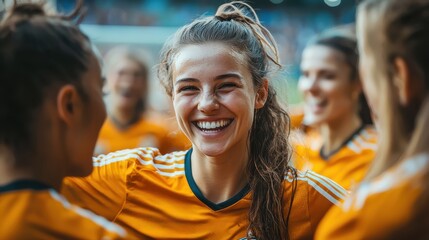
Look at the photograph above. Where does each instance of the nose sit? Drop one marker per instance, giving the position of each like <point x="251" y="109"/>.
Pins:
<point x="208" y="103"/>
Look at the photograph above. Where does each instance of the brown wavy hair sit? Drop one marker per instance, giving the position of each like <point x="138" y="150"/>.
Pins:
<point x="236" y="25"/>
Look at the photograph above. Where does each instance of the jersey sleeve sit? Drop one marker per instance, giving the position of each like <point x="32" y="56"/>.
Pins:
<point x="336" y="225"/>
<point x="323" y="193"/>
<point x="104" y="191"/>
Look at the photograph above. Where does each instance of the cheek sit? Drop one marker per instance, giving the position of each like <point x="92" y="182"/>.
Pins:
<point x="139" y="84"/>
<point x="336" y="89"/>
<point x="182" y="106"/>
<point x="239" y="103"/>
<point x="301" y="85"/>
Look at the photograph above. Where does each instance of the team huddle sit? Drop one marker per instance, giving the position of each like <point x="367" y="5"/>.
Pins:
<point x="351" y="164"/>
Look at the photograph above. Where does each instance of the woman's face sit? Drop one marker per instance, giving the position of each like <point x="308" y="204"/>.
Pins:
<point x="126" y="83"/>
<point x="330" y="95"/>
<point x="213" y="98"/>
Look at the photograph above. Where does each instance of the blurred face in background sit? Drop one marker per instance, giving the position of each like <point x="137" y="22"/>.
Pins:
<point x="330" y="95"/>
<point x="126" y="83"/>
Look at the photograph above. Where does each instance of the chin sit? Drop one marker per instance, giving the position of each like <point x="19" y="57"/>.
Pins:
<point x="212" y="151"/>
<point x="312" y="120"/>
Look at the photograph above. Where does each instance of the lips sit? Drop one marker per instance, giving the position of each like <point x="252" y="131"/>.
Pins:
<point x="211" y="126"/>
<point x="126" y="93"/>
<point x="316" y="105"/>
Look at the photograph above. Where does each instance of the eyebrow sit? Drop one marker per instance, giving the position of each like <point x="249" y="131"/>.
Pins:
<point x="220" y="77"/>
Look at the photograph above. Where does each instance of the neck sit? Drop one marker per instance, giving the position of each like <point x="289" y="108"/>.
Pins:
<point x="10" y="170"/>
<point x="334" y="134"/>
<point x="123" y="118"/>
<point x="219" y="178"/>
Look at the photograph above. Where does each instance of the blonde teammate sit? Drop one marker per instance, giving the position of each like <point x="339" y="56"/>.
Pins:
<point x="235" y="182"/>
<point x="392" y="202"/>
<point x="51" y="112"/>
<point x="341" y="142"/>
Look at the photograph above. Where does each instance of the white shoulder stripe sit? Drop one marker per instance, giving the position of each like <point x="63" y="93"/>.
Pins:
<point x="334" y="187"/>
<point x="116" y="159"/>
<point x="367" y="134"/>
<point x="171" y="157"/>
<point x="122" y="155"/>
<point x="355" y="148"/>
<point x="142" y="151"/>
<point x="390" y="179"/>
<point x="163" y="166"/>
<point x="88" y="214"/>
<point x="172" y="174"/>
<point x="365" y="144"/>
<point x="320" y="190"/>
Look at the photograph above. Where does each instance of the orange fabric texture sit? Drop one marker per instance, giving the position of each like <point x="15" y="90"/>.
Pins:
<point x="377" y="208"/>
<point x="144" y="133"/>
<point x="45" y="214"/>
<point x="296" y="119"/>
<point x="153" y="196"/>
<point x="347" y="166"/>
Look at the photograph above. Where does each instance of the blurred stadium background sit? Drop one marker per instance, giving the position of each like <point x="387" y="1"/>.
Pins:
<point x="147" y="24"/>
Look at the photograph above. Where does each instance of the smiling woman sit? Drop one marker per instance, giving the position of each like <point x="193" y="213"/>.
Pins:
<point x="236" y="181"/>
<point x="341" y="140"/>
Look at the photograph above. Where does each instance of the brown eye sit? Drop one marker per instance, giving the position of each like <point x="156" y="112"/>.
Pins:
<point x="304" y="74"/>
<point x="227" y="85"/>
<point x="188" y="88"/>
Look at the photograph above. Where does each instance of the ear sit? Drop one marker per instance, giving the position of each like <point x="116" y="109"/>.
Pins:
<point x="68" y="103"/>
<point x="402" y="81"/>
<point x="261" y="94"/>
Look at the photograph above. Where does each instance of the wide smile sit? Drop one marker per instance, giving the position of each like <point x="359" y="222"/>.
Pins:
<point x="316" y="105"/>
<point x="213" y="126"/>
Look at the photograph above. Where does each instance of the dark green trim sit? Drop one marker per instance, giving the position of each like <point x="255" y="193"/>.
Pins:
<point x="197" y="192"/>
<point x="24" y="184"/>
<point x="350" y="138"/>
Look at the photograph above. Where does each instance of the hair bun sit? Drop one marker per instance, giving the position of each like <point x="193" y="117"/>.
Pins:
<point x="28" y="10"/>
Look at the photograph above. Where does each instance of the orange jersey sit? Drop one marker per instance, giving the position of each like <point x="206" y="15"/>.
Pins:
<point x="32" y="210"/>
<point x="296" y="118"/>
<point x="143" y="133"/>
<point x="379" y="207"/>
<point x="154" y="196"/>
<point x="347" y="166"/>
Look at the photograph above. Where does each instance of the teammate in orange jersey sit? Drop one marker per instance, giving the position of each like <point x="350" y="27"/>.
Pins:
<point x="340" y="142"/>
<point x="51" y="112"/>
<point x="235" y="182"/>
<point x="392" y="201"/>
<point x="128" y="124"/>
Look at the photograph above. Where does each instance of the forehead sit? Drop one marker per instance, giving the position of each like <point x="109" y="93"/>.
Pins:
<point x="320" y="56"/>
<point x="212" y="57"/>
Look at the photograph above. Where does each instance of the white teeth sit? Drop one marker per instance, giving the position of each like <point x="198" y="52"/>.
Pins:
<point x="314" y="101"/>
<point x="213" y="125"/>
